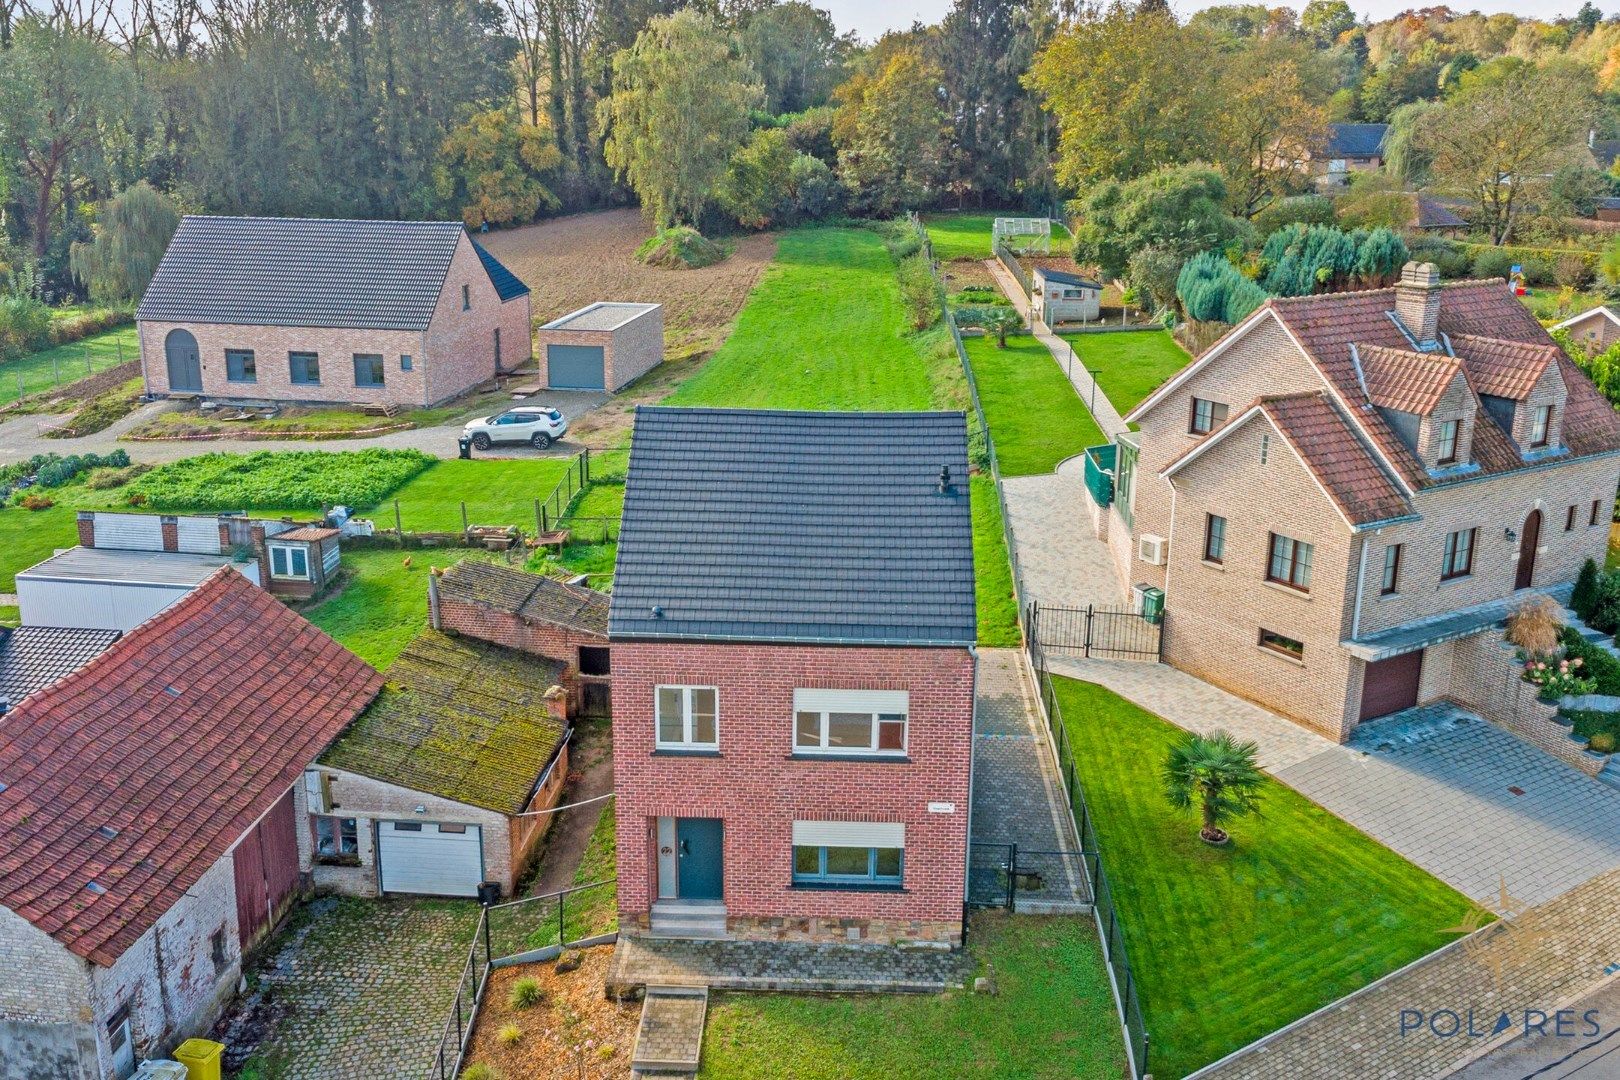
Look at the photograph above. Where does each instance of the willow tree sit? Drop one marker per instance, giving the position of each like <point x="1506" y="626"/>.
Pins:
<point x="130" y="238"/>
<point x="678" y="111"/>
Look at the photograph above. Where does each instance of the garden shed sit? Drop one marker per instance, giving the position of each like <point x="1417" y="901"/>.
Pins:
<point x="603" y="346"/>
<point x="1058" y="296"/>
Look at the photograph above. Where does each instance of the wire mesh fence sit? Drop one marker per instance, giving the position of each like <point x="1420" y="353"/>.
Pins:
<point x="66" y="364"/>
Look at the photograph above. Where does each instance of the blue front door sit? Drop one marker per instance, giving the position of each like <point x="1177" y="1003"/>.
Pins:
<point x="700" y="843"/>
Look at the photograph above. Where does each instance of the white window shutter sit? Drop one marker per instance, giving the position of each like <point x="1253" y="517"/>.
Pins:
<point x="859" y="834"/>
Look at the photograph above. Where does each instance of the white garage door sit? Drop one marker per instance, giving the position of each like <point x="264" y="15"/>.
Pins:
<point x="424" y="857"/>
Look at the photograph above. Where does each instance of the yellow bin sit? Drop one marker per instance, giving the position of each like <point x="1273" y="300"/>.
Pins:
<point x="200" y="1057"/>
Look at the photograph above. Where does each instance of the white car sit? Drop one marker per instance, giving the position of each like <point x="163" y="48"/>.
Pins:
<point x="537" y="425"/>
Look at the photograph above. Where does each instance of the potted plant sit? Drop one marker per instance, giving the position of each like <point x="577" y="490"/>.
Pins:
<point x="1217" y="774"/>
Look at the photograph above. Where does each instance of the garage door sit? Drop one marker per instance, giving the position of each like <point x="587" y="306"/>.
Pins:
<point x="576" y="367"/>
<point x="1391" y="685"/>
<point x="429" y="858"/>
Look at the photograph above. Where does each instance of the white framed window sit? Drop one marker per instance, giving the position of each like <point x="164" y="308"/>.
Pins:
<point x="851" y="721"/>
<point x="289" y="561"/>
<point x="688" y="717"/>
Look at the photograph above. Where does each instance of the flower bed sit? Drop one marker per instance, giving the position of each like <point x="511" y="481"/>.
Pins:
<point x="573" y="1022"/>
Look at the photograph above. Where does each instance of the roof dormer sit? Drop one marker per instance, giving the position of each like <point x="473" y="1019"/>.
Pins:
<point x="1522" y="388"/>
<point x="1425" y="398"/>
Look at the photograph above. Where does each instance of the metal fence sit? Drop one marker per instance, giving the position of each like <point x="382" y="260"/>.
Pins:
<point x="548" y="511"/>
<point x="1105" y="633"/>
<point x="1027" y="879"/>
<point x="505" y="932"/>
<point x="1008" y="260"/>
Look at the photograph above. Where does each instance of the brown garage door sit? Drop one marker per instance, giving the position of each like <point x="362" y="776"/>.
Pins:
<point x="1391" y="685"/>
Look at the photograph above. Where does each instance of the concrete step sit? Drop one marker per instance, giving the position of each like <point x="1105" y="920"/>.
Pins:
<point x="1611" y="773"/>
<point x="669" y="1040"/>
<point x="689" y="919"/>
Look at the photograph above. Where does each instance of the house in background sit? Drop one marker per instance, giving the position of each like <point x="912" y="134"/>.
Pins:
<point x="297" y="310"/>
<point x="1058" y="296"/>
<point x="1594" y="329"/>
<point x="792" y="624"/>
<point x="1349" y="148"/>
<point x="1437" y="215"/>
<point x="534" y="614"/>
<point x="426" y="792"/>
<point x="150" y="804"/>
<point x="1343" y="497"/>
<point x="601" y="346"/>
<point x="130" y="566"/>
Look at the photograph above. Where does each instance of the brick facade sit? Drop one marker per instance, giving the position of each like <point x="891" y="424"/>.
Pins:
<point x="758" y="788"/>
<point x="550" y="640"/>
<point x="1593" y="330"/>
<point x="454" y="354"/>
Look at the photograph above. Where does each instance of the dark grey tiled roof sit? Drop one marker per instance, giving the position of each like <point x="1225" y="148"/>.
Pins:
<point x="1063" y="278"/>
<point x="508" y="286"/>
<point x="33" y="657"/>
<point x="1356" y="140"/>
<point x="381" y="275"/>
<point x="749" y="525"/>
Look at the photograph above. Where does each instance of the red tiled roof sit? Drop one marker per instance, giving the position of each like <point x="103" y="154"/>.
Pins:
<point x="1507" y="369"/>
<point x="175" y="740"/>
<point x="1407" y="381"/>
<point x="1337" y="457"/>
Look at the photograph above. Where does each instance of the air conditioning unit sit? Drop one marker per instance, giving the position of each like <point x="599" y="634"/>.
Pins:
<point x="1150" y="549"/>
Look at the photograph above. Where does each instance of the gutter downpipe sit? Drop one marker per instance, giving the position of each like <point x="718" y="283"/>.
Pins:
<point x="1169" y="548"/>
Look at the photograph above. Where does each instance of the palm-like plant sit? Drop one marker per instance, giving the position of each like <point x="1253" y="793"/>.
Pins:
<point x="1219" y="775"/>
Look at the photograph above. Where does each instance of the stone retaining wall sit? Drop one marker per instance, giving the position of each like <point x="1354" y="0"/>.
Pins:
<point x="1487" y="678"/>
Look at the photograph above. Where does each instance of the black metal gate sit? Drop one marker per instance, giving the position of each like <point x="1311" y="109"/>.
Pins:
<point x="1107" y="633"/>
<point x="999" y="875"/>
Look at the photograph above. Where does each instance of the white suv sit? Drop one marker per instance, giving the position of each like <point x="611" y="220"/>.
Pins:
<point x="536" y="425"/>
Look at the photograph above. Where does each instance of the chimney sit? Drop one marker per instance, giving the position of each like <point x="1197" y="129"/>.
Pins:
<point x="557" y="705"/>
<point x="1417" y="303"/>
<point x="87" y="528"/>
<point x="944" y="479"/>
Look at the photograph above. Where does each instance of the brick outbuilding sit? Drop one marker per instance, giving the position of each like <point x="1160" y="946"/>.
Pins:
<point x="792" y="626"/>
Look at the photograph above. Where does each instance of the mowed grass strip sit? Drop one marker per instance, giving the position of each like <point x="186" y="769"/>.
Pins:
<point x="496" y="491"/>
<point x="1228" y="944"/>
<point x="1130" y="364"/>
<point x="1035" y="416"/>
<point x="64" y="364"/>
<point x="1052" y="1018"/>
<point x="382" y="604"/>
<point x="823" y="329"/>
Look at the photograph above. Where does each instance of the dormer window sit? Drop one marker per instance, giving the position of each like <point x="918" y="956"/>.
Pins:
<point x="1540" y="426"/>
<point x="1446" y="443"/>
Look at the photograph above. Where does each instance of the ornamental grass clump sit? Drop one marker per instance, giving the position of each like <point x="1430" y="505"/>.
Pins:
<point x="1536" y="626"/>
<point x="526" y="993"/>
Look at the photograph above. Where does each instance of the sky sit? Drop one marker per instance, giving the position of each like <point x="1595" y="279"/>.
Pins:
<point x="870" y="18"/>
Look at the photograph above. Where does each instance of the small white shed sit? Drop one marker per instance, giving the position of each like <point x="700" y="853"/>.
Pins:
<point x="601" y="347"/>
<point x="1058" y="296"/>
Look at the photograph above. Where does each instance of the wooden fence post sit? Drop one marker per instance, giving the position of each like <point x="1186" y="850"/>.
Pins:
<point x="464" y="525"/>
<point x="399" y="526"/>
<point x="539" y="519"/>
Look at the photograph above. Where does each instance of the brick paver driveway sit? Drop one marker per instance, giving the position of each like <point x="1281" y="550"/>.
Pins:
<point x="1063" y="562"/>
<point x="1469" y="803"/>
<point x="356" y="989"/>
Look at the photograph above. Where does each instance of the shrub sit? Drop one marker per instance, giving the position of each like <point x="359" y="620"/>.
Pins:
<point x="1572" y="271"/>
<point x="25" y="325"/>
<point x="680" y="248"/>
<point x="53" y="470"/>
<point x="1212" y="290"/>
<point x="479" y="1071"/>
<point x="510" y="1035"/>
<point x="1601" y="742"/>
<point x="294" y="480"/>
<point x="35" y="501"/>
<point x="526" y="993"/>
<point x="1536" y="626"/>
<point x="1600" y="665"/>
<point x="1586" y="587"/>
<point x="919" y="292"/>
<point x="108" y="477"/>
<point x="1605" y="616"/>
<point x="1557" y="678"/>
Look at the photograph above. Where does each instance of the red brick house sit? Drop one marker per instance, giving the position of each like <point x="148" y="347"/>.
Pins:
<point x="149" y="810"/>
<point x="300" y="310"/>
<point x="792" y="626"/>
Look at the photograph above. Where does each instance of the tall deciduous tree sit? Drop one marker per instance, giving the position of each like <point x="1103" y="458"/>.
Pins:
<point x="891" y="132"/>
<point x="1506" y="130"/>
<point x="1265" y="131"/>
<point x="494" y="167"/>
<point x="1326" y="20"/>
<point x="678" y="111"/>
<point x="1177" y="209"/>
<point x="798" y="54"/>
<point x="1121" y="85"/>
<point x="134" y="231"/>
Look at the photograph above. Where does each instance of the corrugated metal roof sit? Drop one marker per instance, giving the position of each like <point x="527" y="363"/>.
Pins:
<point x="33" y="657"/>
<point x="130" y="567"/>
<point x="755" y="525"/>
<point x="601" y="316"/>
<point x="382" y="275"/>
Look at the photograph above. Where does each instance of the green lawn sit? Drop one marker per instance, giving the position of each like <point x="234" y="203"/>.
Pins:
<point x="1132" y="364"/>
<point x="966" y="234"/>
<point x="1231" y="943"/>
<point x="27" y="536"/>
<point x="992" y="572"/>
<point x="497" y="492"/>
<point x="66" y="363"/>
<point x="1053" y="1018"/>
<point x="823" y="329"/>
<point x="1035" y="415"/>
<point x="9" y="615"/>
<point x="383" y="602"/>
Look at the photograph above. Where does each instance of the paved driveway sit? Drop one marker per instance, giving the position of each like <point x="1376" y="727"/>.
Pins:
<point x="1469" y="803"/>
<point x="1063" y="562"/>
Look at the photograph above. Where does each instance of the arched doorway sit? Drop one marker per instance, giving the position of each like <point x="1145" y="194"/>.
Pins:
<point x="185" y="364"/>
<point x="1529" y="540"/>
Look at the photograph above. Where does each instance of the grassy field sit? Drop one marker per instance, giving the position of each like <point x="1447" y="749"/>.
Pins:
<point x="992" y="572"/>
<point x="66" y="363"/>
<point x="497" y="492"/>
<point x="1035" y="415"/>
<point x="966" y="234"/>
<point x="1231" y="943"/>
<point x="823" y="329"/>
<point x="1053" y="1018"/>
<point x="1131" y="365"/>
<point x="334" y="422"/>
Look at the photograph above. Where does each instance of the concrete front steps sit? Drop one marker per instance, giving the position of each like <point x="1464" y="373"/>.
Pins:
<point x="669" y="1041"/>
<point x="702" y="919"/>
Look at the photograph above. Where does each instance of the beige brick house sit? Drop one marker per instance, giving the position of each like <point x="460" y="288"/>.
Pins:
<point x="1342" y="497"/>
<point x="1594" y="329"/>
<point x="408" y="313"/>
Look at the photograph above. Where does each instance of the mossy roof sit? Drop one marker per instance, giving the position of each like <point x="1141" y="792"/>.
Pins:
<point x="461" y="719"/>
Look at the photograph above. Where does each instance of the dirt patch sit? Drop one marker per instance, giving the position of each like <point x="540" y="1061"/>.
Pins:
<point x="575" y="1011"/>
<point x="961" y="273"/>
<point x="583" y="258"/>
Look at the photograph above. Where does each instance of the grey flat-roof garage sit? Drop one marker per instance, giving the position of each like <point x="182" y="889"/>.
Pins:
<point x="603" y="346"/>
